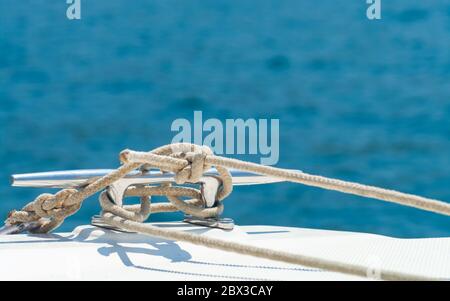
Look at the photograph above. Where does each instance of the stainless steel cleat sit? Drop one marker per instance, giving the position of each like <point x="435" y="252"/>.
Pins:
<point x="83" y="177"/>
<point x="210" y="184"/>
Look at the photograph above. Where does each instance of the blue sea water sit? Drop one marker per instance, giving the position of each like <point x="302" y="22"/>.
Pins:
<point x="360" y="100"/>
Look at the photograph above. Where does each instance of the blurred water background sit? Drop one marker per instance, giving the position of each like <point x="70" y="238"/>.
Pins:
<point x="361" y="100"/>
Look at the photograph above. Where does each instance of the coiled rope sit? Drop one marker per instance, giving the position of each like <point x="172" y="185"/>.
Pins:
<point x="189" y="162"/>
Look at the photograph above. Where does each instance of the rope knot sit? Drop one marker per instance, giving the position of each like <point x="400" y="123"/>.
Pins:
<point x="48" y="205"/>
<point x="50" y="210"/>
<point x="196" y="164"/>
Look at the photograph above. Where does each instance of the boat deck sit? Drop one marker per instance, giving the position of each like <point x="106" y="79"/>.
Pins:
<point x="92" y="253"/>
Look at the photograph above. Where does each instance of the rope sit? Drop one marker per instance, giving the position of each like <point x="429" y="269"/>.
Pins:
<point x="244" y="249"/>
<point x="189" y="162"/>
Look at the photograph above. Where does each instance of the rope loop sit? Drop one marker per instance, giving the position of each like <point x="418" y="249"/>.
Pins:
<point x="138" y="216"/>
<point x="188" y="161"/>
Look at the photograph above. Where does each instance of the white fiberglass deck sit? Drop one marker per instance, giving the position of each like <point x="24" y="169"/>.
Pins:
<point x="91" y="253"/>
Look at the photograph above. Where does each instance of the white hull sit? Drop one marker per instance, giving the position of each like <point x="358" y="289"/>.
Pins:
<point x="91" y="253"/>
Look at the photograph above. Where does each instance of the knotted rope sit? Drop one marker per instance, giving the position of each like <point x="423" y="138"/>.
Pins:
<point x="189" y="162"/>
